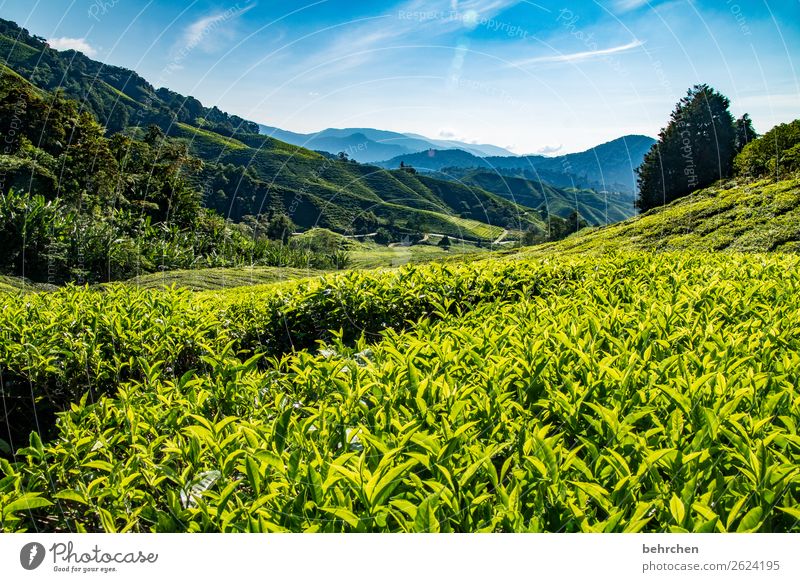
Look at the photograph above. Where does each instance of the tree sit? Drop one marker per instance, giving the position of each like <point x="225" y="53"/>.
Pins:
<point x="407" y="168"/>
<point x="154" y="135"/>
<point x="695" y="149"/>
<point x="532" y="236"/>
<point x="445" y="242"/>
<point x="365" y="223"/>
<point x="744" y="132"/>
<point x="280" y="228"/>
<point x="383" y="236"/>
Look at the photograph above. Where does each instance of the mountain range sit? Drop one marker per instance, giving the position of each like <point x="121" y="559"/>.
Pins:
<point x="367" y="145"/>
<point x="245" y="173"/>
<point x="607" y="167"/>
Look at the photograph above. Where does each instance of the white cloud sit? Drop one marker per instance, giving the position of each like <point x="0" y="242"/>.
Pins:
<point x="628" y="5"/>
<point x="77" y="44"/>
<point x="581" y="56"/>
<point x="204" y="31"/>
<point x="414" y="21"/>
<point x="546" y="150"/>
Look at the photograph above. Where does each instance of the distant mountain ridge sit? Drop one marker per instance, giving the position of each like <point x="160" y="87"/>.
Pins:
<point x="249" y="174"/>
<point x="607" y="167"/>
<point x="368" y="145"/>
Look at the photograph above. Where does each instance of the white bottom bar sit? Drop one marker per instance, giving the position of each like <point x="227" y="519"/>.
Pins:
<point x="402" y="557"/>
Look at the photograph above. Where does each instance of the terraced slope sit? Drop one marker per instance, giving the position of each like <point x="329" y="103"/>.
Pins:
<point x="596" y="208"/>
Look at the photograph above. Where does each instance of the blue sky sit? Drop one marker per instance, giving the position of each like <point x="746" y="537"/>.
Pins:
<point x="548" y="77"/>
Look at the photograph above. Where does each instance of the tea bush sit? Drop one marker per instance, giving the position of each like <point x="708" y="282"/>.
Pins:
<point x="633" y="392"/>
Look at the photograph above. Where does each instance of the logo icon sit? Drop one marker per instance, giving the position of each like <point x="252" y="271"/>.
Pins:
<point x="32" y="555"/>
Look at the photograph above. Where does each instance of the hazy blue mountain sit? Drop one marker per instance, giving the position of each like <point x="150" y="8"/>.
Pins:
<point x="367" y="145"/>
<point x="610" y="166"/>
<point x="477" y="149"/>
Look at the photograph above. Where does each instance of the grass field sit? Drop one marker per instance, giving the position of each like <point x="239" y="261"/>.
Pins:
<point x="371" y="256"/>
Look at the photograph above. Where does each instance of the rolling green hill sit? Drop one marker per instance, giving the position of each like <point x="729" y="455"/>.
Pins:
<point x="116" y="96"/>
<point x="594" y="207"/>
<point x="732" y="216"/>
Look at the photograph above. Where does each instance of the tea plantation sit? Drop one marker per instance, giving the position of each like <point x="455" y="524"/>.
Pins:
<point x="630" y="391"/>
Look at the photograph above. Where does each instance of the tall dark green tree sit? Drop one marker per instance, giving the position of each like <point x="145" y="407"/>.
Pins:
<point x="695" y="149"/>
<point x="744" y="132"/>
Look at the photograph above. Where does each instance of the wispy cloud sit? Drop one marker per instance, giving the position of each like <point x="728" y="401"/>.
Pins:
<point x="205" y="31"/>
<point x="78" y="44"/>
<point x="580" y="56"/>
<point x="546" y="150"/>
<point x="414" y="21"/>
<point x="628" y="5"/>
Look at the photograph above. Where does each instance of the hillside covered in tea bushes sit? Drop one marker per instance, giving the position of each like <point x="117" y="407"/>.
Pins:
<point x="625" y="392"/>
<point x="109" y="177"/>
<point x="738" y="215"/>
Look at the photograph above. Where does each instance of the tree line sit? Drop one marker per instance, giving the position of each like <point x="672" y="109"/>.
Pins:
<point x="703" y="143"/>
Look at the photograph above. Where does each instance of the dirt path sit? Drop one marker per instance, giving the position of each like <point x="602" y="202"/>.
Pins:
<point x="503" y="235"/>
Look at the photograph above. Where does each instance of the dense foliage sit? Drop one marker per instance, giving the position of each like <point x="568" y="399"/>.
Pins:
<point x="776" y="154"/>
<point x="695" y="149"/>
<point x="624" y="393"/>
